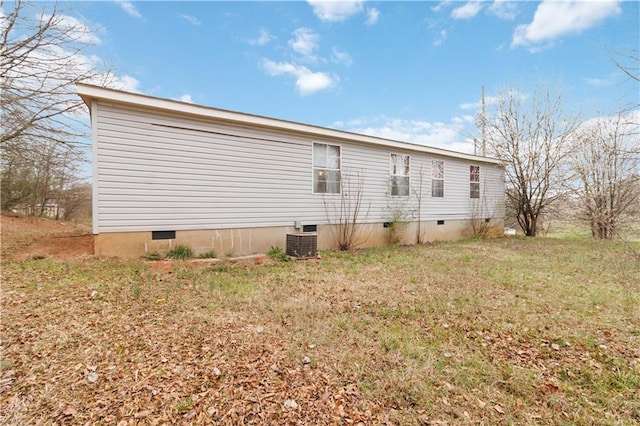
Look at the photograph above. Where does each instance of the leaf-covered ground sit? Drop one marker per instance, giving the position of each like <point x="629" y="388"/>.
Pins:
<point x="543" y="331"/>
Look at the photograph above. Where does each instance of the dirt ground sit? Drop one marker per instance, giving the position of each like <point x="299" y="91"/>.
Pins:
<point x="23" y="237"/>
<point x="506" y="331"/>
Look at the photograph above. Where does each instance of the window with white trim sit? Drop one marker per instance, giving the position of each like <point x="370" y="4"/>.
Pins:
<point x="474" y="181"/>
<point x="326" y="168"/>
<point x="437" y="178"/>
<point x="399" y="175"/>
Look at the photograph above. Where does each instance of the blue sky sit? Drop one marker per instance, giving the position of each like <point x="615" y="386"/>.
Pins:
<point x="406" y="70"/>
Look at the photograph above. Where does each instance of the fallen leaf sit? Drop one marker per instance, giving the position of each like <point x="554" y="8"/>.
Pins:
<point x="69" y="411"/>
<point x="141" y="414"/>
<point x="290" y="403"/>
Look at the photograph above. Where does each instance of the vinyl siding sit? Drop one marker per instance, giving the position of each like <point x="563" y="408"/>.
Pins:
<point x="155" y="171"/>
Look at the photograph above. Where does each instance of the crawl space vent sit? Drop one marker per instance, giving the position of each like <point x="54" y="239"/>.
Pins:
<point x="302" y="245"/>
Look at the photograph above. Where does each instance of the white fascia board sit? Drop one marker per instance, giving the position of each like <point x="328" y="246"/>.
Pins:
<point x="89" y="92"/>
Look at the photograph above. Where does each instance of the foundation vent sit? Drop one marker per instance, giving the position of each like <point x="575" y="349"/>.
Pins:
<point x="302" y="245"/>
<point x="163" y="235"/>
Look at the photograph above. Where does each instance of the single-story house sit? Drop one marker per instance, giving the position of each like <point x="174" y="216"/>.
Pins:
<point x="168" y="173"/>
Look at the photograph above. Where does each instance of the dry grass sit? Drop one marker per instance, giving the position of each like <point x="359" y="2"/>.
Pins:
<point x="542" y="331"/>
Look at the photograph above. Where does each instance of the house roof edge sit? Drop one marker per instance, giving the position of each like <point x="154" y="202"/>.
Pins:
<point x="90" y="92"/>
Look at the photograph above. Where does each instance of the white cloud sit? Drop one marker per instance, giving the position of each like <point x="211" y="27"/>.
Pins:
<point x="631" y="119"/>
<point x="126" y="82"/>
<point x="493" y="100"/>
<point x="305" y="42"/>
<point x="504" y="9"/>
<point x="373" y="15"/>
<point x="191" y="19"/>
<point x="129" y="7"/>
<point x="554" y="19"/>
<point x="441" y="5"/>
<point x="186" y="98"/>
<point x="441" y="38"/>
<point x="73" y="29"/>
<point x="597" y="82"/>
<point x="468" y="11"/>
<point x="263" y="38"/>
<point x="607" y="81"/>
<point x="307" y="81"/>
<point x="335" y="11"/>
<point x="341" y="57"/>
<point x="436" y="134"/>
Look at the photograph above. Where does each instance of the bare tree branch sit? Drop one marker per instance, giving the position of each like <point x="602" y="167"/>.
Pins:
<point x="346" y="212"/>
<point x="531" y="135"/>
<point x="44" y="131"/>
<point x="606" y="172"/>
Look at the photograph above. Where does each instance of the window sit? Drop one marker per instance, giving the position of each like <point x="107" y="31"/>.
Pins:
<point x="474" y="181"/>
<point x="326" y="169"/>
<point x="437" y="178"/>
<point x="399" y="172"/>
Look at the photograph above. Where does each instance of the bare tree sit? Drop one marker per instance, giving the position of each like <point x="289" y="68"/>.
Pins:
<point x="44" y="129"/>
<point x="606" y="166"/>
<point x="531" y="135"/>
<point x="75" y="201"/>
<point x="346" y="212"/>
<point x="629" y="63"/>
<point x="41" y="61"/>
<point x="31" y="183"/>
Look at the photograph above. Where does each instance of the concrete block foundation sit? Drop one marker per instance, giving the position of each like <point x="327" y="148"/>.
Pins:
<point x="247" y="241"/>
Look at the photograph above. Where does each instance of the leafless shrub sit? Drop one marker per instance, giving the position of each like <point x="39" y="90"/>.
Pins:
<point x="418" y="189"/>
<point x="398" y="215"/>
<point x="346" y="212"/>
<point x="482" y="214"/>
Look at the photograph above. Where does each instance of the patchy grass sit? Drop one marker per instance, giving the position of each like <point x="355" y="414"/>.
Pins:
<point x="180" y="253"/>
<point x="511" y="331"/>
<point x="277" y="254"/>
<point x="207" y="255"/>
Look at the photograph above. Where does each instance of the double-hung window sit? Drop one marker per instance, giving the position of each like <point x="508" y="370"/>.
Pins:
<point x="326" y="168"/>
<point x="399" y="175"/>
<point x="474" y="181"/>
<point x="437" y="178"/>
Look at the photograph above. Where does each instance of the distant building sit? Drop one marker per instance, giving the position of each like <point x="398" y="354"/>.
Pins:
<point x="50" y="210"/>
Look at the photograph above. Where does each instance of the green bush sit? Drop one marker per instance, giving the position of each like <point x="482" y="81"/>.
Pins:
<point x="207" y="255"/>
<point x="276" y="253"/>
<point x="154" y="256"/>
<point x="180" y="252"/>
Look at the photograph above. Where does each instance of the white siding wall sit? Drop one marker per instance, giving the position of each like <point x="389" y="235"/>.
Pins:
<point x="156" y="172"/>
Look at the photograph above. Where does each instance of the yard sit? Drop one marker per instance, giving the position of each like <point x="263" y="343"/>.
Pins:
<point x="522" y="331"/>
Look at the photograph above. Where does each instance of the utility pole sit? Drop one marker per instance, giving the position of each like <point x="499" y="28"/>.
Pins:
<point x="484" y="126"/>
